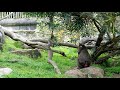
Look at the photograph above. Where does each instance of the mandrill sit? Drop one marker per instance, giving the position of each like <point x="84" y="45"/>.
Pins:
<point x="84" y="59"/>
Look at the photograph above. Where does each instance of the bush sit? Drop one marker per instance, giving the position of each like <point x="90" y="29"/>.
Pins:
<point x="115" y="70"/>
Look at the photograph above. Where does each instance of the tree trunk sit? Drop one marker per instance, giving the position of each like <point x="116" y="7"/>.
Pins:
<point x="50" y="55"/>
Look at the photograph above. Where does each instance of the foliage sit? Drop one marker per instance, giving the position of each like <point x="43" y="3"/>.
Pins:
<point x="76" y="21"/>
<point x="72" y="21"/>
<point x="9" y="45"/>
<point x="115" y="70"/>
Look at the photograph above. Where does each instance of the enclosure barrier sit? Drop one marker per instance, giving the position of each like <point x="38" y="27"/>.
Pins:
<point x="15" y="15"/>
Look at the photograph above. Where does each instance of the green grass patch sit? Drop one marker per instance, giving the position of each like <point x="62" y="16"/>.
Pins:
<point x="26" y="67"/>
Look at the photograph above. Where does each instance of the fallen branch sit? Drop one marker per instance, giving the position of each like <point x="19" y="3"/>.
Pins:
<point x="59" y="44"/>
<point x="56" y="51"/>
<point x="60" y="52"/>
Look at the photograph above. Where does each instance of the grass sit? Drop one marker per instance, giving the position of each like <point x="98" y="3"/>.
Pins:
<point x="36" y="68"/>
<point x="39" y="68"/>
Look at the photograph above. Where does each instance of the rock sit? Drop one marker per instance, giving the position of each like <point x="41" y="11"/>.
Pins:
<point x="5" y="71"/>
<point x="89" y="72"/>
<point x="32" y="53"/>
<point x="76" y="73"/>
<point x="94" y="72"/>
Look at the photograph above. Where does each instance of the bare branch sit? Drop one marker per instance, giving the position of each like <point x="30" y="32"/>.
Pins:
<point x="108" y="34"/>
<point x="95" y="23"/>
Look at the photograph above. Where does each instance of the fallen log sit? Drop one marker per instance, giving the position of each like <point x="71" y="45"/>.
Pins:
<point x="59" y="44"/>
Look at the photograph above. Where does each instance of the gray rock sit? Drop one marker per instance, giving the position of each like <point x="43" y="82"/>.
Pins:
<point x="89" y="72"/>
<point x="76" y="73"/>
<point x="5" y="71"/>
<point x="94" y="72"/>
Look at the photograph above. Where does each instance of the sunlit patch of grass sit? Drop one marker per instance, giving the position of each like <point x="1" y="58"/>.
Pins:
<point x="26" y="67"/>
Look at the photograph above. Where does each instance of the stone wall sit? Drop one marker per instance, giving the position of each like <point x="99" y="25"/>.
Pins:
<point x="19" y="24"/>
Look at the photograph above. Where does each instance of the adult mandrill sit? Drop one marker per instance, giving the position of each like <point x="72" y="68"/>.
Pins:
<point x="84" y="59"/>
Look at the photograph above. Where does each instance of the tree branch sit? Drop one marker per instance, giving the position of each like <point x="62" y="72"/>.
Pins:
<point x="95" y="23"/>
<point x="67" y="44"/>
<point x="59" y="44"/>
<point x="56" y="51"/>
<point x="101" y="60"/>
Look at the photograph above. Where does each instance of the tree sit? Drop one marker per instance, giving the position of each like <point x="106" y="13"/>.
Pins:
<point x="105" y="25"/>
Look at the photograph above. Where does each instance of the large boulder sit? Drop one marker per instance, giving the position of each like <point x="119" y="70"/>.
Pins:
<point x="89" y="72"/>
<point x="5" y="71"/>
<point x="76" y="73"/>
